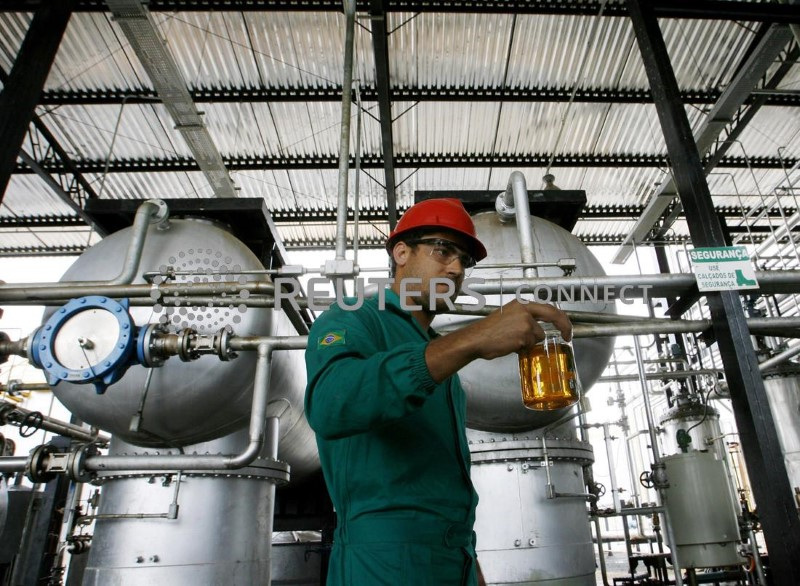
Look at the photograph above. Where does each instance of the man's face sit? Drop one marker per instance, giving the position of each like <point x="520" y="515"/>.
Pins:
<point x="439" y="255"/>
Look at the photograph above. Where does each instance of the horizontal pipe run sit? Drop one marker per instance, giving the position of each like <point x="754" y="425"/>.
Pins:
<point x="788" y="326"/>
<point x="631" y="511"/>
<point x="655" y="285"/>
<point x="10" y="410"/>
<point x="673" y="374"/>
<point x="57" y="293"/>
<point x="195" y="462"/>
<point x="18" y="387"/>
<point x="11" y="464"/>
<point x="258" y="424"/>
<point x="780" y="358"/>
<point x="628" y="286"/>
<point x="150" y="211"/>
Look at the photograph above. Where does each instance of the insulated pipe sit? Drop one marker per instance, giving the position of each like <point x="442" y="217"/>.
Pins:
<point x="344" y="140"/>
<point x="515" y="199"/>
<point x="149" y="212"/>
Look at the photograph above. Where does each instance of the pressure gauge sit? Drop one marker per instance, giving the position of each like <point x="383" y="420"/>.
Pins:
<point x="89" y="340"/>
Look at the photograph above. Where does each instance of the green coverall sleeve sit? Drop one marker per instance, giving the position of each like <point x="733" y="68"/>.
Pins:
<point x="353" y="387"/>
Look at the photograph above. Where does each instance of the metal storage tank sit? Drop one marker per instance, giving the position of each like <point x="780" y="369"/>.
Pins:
<point x="783" y="394"/>
<point x="188" y="403"/>
<point x="702" y="511"/>
<point x="493" y="389"/>
<point x="702" y="424"/>
<point x="221" y="534"/>
<point x="524" y="537"/>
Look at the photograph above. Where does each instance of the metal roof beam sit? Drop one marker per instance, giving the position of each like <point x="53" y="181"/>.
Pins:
<point x="405" y="161"/>
<point x="697" y="9"/>
<point x="137" y="23"/>
<point x="380" y="51"/>
<point x="23" y="86"/>
<point x="43" y="251"/>
<point x="721" y="115"/>
<point x="40" y="222"/>
<point x="92" y="97"/>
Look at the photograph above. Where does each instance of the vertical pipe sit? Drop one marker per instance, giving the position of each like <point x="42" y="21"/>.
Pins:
<point x="600" y="556"/>
<point x="357" y="190"/>
<point x="344" y="142"/>
<point x="516" y="195"/>
<point x="613" y="474"/>
<point x="651" y="428"/>
<point x="762" y="579"/>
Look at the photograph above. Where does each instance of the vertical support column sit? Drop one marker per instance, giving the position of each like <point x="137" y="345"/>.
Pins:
<point x="380" y="51"/>
<point x="776" y="507"/>
<point x="24" y="86"/>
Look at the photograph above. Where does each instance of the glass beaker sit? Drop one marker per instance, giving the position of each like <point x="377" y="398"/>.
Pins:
<point x="548" y="377"/>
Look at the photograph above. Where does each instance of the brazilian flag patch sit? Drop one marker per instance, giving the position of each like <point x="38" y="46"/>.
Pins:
<point x="334" y="338"/>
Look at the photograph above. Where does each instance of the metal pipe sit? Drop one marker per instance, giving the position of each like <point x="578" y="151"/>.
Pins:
<point x="243" y="343"/>
<point x="600" y="555"/>
<point x="751" y="534"/>
<point x="669" y="374"/>
<point x="629" y="286"/>
<point x="150" y="211"/>
<point x="357" y="187"/>
<point x="780" y="358"/>
<point x="516" y="198"/>
<point x="258" y="423"/>
<point x="344" y="139"/>
<point x="657" y="464"/>
<point x="648" y="408"/>
<point x="611" y="470"/>
<point x="11" y="412"/>
<point x="655" y="285"/>
<point x="673" y="548"/>
<point x="11" y="464"/>
<point x="54" y="292"/>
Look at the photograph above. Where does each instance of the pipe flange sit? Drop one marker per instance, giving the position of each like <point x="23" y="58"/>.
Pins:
<point x="144" y="345"/>
<point x="223" y="348"/>
<point x="37" y="464"/>
<point x="4" y="339"/>
<point x="75" y="463"/>
<point x="185" y="351"/>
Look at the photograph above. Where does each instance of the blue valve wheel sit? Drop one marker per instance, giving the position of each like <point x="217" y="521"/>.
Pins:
<point x="89" y="340"/>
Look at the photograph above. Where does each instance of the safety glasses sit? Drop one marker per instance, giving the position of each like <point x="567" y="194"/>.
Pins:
<point x="445" y="251"/>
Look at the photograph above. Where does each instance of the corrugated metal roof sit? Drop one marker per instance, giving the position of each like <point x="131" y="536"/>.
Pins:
<point x="248" y="50"/>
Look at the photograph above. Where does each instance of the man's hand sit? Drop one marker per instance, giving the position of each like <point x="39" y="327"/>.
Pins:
<point x="515" y="328"/>
<point x="511" y="328"/>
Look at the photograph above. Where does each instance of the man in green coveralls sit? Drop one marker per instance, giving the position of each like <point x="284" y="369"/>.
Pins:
<point x="389" y="412"/>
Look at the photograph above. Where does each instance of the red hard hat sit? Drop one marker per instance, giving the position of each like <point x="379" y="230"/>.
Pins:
<point x="443" y="213"/>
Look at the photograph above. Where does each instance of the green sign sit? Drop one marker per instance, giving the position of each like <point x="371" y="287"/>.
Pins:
<point x="723" y="268"/>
